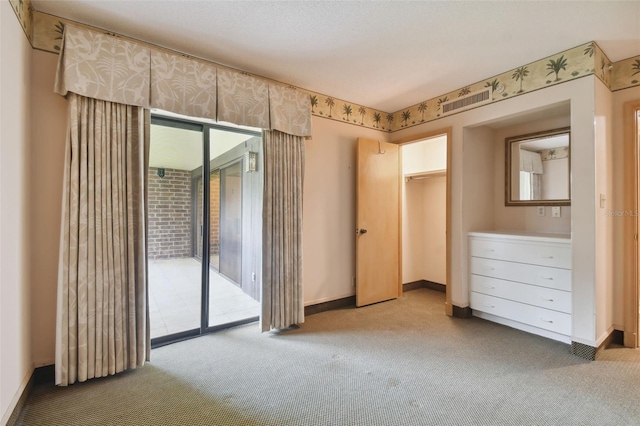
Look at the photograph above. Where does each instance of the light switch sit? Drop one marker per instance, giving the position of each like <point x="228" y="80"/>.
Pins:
<point x="555" y="211"/>
<point x="603" y="201"/>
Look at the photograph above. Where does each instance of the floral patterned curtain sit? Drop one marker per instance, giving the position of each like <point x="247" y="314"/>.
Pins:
<point x="282" y="299"/>
<point x="102" y="317"/>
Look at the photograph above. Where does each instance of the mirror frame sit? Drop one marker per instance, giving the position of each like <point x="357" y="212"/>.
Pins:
<point x="507" y="183"/>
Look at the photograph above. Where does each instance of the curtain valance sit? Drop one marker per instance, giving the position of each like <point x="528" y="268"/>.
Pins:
<point x="243" y="99"/>
<point x="103" y="67"/>
<point x="109" y="68"/>
<point x="530" y="162"/>
<point x="289" y="110"/>
<point x="183" y="85"/>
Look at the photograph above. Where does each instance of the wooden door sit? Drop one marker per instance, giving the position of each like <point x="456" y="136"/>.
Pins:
<point x="377" y="222"/>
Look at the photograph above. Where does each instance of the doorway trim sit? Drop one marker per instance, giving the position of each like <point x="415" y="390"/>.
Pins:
<point x="631" y="141"/>
<point x="448" y="307"/>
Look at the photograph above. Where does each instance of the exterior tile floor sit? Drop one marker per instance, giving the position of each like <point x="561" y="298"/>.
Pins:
<point x="174" y="297"/>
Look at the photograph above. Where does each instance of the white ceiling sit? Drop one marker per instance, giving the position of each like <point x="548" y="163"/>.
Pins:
<point x="545" y="143"/>
<point x="180" y="149"/>
<point x="173" y="148"/>
<point x="381" y="54"/>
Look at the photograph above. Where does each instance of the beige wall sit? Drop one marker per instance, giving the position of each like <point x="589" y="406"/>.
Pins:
<point x="329" y="212"/>
<point x="424" y="156"/>
<point x="413" y="231"/>
<point x="555" y="171"/>
<point x="424" y="230"/>
<point x="478" y="186"/>
<point x="15" y="155"/>
<point x="520" y="217"/>
<point x="434" y="264"/>
<point x="46" y="165"/>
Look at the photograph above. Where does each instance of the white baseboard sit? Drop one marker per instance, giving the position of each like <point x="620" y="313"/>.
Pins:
<point x="12" y="406"/>
<point x="604" y="336"/>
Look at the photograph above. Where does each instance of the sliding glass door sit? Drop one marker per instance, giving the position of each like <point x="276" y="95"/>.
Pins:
<point x="191" y="293"/>
<point x="231" y="221"/>
<point x="235" y="206"/>
<point x="214" y="215"/>
<point x="175" y="285"/>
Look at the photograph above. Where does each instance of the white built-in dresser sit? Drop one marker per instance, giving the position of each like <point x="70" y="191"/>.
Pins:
<point x="522" y="280"/>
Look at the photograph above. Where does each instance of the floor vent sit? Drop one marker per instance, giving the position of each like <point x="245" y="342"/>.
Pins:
<point x="467" y="101"/>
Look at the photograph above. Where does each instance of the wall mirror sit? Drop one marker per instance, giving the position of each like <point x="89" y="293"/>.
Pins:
<point x="537" y="171"/>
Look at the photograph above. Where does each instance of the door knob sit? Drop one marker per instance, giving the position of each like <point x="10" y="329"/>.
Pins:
<point x="361" y="231"/>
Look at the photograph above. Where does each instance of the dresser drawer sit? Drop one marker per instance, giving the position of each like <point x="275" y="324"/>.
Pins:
<point x="548" y="298"/>
<point x="557" y="322"/>
<point x="536" y="253"/>
<point x="543" y="276"/>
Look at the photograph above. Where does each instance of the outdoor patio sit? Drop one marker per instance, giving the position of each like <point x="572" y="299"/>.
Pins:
<point x="174" y="297"/>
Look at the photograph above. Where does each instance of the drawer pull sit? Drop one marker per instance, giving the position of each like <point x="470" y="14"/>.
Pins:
<point x="546" y="320"/>
<point x="547" y="278"/>
<point x="546" y="257"/>
<point x="489" y="250"/>
<point x="489" y="305"/>
<point x="490" y="287"/>
<point x="489" y="268"/>
<point x="546" y="300"/>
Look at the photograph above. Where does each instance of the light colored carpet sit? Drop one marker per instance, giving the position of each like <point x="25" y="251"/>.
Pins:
<point x="396" y="363"/>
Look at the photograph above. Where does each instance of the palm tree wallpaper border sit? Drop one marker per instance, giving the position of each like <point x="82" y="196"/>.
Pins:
<point x="344" y="111"/>
<point x="626" y="73"/>
<point x="580" y="61"/>
<point x="571" y="64"/>
<point x="24" y="11"/>
<point x="601" y="64"/>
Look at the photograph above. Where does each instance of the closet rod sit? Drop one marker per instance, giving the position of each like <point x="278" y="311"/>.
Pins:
<point x="425" y="175"/>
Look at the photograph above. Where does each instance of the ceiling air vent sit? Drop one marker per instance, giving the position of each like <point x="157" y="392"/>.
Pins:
<point x="467" y="101"/>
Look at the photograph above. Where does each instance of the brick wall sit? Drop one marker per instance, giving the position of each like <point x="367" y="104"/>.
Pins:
<point x="199" y="218"/>
<point x="214" y="208"/>
<point x="214" y="211"/>
<point x="169" y="214"/>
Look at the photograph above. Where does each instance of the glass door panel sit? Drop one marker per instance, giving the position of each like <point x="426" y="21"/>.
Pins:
<point x="235" y="203"/>
<point x="231" y="222"/>
<point x="198" y="229"/>
<point x="214" y="214"/>
<point x="174" y="212"/>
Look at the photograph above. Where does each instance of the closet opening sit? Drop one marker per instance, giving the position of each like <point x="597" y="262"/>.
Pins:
<point x="425" y="201"/>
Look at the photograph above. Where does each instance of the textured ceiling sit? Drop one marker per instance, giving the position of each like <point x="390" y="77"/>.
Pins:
<point x="382" y="54"/>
